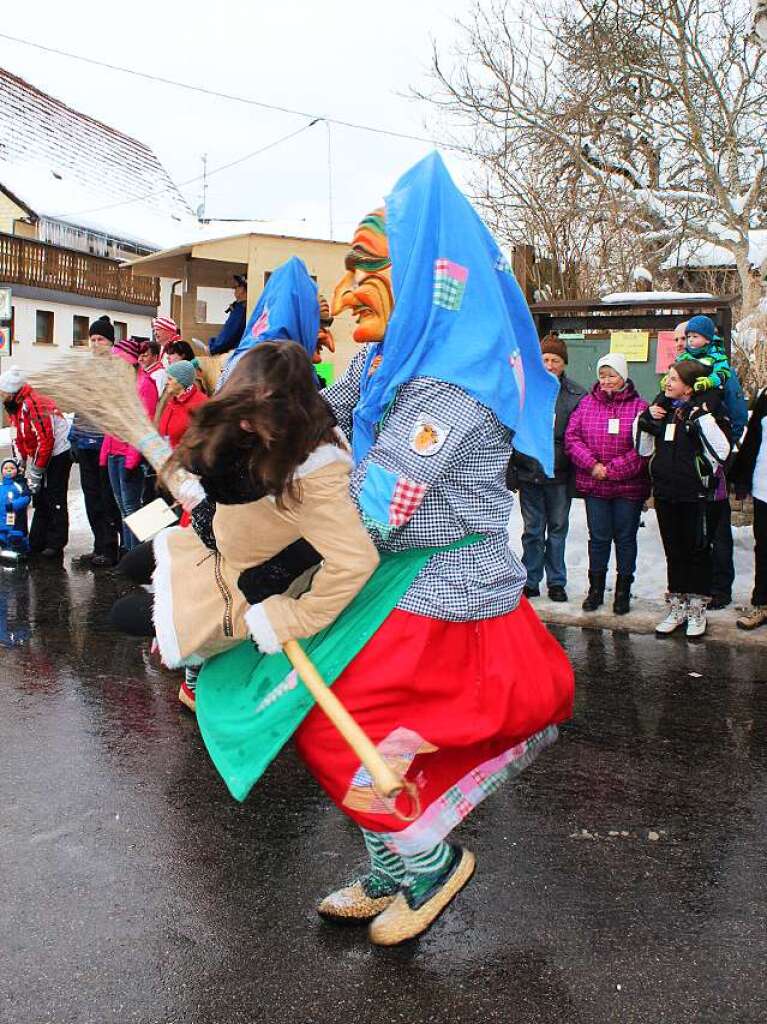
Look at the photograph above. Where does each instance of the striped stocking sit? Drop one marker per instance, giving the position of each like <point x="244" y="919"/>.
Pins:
<point x="190" y="676"/>
<point x="424" y="871"/>
<point x="386" y="868"/>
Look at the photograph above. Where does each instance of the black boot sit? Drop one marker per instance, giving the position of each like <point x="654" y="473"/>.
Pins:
<point x="596" y="594"/>
<point x="622" y="602"/>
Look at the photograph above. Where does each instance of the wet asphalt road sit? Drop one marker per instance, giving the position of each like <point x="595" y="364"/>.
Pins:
<point x="623" y="879"/>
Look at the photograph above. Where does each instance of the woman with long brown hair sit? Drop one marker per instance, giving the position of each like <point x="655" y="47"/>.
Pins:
<point x="268" y="455"/>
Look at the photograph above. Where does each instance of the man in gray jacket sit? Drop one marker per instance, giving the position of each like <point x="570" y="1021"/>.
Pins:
<point x="545" y="501"/>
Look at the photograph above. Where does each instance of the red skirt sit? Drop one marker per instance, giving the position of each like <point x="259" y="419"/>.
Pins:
<point x="452" y="706"/>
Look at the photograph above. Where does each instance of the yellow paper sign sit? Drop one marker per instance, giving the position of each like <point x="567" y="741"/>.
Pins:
<point x="634" y="345"/>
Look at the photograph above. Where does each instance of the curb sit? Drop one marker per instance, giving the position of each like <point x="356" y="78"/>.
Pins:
<point x="643" y="617"/>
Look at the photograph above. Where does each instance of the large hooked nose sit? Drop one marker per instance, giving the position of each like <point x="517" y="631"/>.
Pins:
<point x="343" y="294"/>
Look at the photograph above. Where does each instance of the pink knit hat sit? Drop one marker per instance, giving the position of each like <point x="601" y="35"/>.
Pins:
<point x="127" y="349"/>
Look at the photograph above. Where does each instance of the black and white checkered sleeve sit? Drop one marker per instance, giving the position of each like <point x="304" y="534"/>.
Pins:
<point x="345" y="393"/>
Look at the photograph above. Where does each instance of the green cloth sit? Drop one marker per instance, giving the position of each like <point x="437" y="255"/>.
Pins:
<point x="250" y="704"/>
<point x="326" y="372"/>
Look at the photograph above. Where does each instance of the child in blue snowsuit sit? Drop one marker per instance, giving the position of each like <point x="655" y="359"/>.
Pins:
<point x="14" y="499"/>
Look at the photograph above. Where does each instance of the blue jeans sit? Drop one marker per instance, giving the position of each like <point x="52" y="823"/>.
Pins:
<point x="127" y="485"/>
<point x="613" y="520"/>
<point x="546" y="516"/>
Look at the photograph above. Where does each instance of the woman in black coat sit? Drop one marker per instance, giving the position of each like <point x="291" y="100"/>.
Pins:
<point x="688" y="438"/>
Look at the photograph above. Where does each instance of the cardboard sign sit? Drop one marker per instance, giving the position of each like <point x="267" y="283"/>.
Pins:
<point x="633" y="344"/>
<point x="151" y="519"/>
<point x="665" y="355"/>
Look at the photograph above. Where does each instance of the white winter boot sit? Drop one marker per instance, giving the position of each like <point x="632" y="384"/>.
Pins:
<point x="696" y="616"/>
<point x="677" y="614"/>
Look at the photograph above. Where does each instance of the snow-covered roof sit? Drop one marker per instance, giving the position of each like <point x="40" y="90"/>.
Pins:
<point x="65" y="166"/>
<point x="309" y="230"/>
<point x="624" y="298"/>
<point x="697" y="254"/>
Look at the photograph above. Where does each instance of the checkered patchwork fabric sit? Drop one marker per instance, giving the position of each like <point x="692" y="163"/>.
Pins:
<point x="449" y="284"/>
<point x="502" y="264"/>
<point x="465" y="493"/>
<point x="405" y="501"/>
<point x="440" y="818"/>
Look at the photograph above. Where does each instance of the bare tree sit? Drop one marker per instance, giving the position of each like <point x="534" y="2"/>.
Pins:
<point x="654" y="109"/>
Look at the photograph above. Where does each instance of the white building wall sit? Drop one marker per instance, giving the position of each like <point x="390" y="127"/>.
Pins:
<point x="30" y="355"/>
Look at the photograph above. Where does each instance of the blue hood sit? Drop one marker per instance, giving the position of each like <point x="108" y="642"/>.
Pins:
<point x="459" y="317"/>
<point x="287" y="310"/>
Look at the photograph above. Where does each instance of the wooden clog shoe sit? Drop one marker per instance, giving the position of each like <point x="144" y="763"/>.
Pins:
<point x="401" y="921"/>
<point x="353" y="904"/>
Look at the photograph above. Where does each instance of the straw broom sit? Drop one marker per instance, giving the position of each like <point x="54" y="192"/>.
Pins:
<point x="103" y="390"/>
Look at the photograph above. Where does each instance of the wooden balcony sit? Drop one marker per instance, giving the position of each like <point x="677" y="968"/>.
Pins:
<point x="24" y="261"/>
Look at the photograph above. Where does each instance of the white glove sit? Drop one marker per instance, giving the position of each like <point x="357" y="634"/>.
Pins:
<point x="260" y="629"/>
<point x="190" y="494"/>
<point x="35" y="479"/>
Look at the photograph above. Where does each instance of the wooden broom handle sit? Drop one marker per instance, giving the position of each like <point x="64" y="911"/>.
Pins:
<point x="387" y="782"/>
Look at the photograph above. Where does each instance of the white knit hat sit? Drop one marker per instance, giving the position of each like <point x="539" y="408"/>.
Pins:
<point x="12" y="379"/>
<point x="616" y="361"/>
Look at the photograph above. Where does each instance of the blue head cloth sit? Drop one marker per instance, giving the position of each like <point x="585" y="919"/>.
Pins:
<point x="459" y="316"/>
<point x="287" y="310"/>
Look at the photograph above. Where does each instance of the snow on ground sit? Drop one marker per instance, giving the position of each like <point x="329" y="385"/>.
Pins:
<point x="650" y="583"/>
<point x="650" y="580"/>
<point x="622" y="298"/>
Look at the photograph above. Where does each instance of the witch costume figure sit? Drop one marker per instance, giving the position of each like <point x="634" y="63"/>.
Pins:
<point x="288" y="309"/>
<point x="443" y="664"/>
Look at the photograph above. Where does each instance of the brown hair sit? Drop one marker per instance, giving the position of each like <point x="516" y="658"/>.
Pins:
<point x="272" y="390"/>
<point x="690" y="370"/>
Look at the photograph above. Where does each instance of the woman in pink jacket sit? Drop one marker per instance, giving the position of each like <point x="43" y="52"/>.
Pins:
<point x="611" y="476"/>
<point x="123" y="463"/>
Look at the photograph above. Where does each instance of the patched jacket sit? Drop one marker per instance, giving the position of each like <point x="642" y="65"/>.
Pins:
<point x="436" y="475"/>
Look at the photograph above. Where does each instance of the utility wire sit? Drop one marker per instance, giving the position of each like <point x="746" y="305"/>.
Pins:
<point x="231" y="96"/>
<point x="190" y="181"/>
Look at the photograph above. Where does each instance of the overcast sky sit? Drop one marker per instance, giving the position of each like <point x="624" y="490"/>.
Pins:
<point x="347" y="60"/>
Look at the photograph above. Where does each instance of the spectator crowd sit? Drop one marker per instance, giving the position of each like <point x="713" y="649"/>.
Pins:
<point x="685" y="450"/>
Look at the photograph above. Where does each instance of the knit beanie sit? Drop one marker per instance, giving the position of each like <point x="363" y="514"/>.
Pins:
<point x="616" y="361"/>
<point x="104" y="327"/>
<point x="127" y="349"/>
<point x="8" y="462"/>
<point x="690" y="369"/>
<point x="701" y="325"/>
<point x="12" y="380"/>
<point x="183" y="372"/>
<point x="166" y="324"/>
<point x="554" y="346"/>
